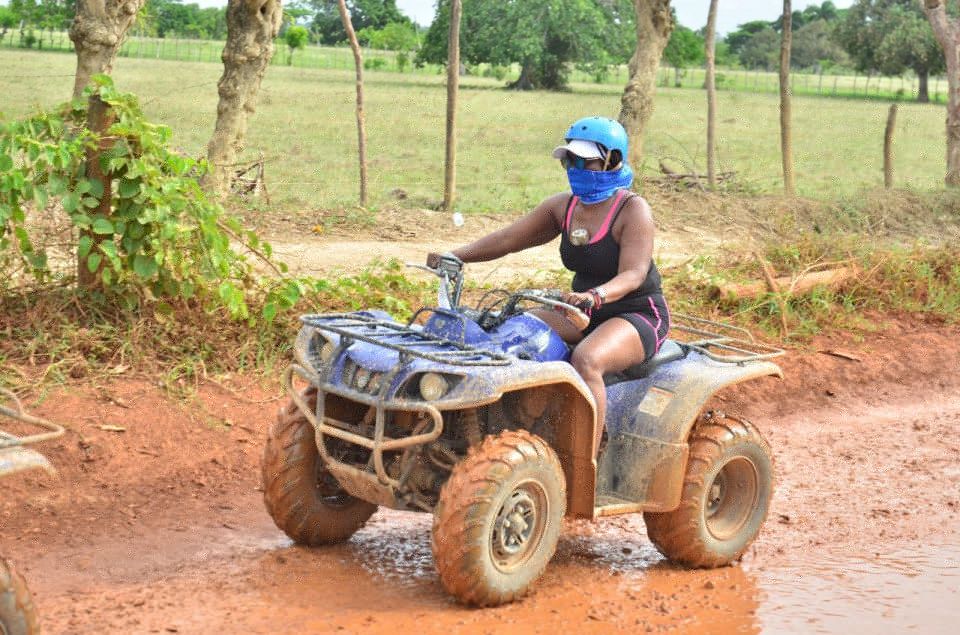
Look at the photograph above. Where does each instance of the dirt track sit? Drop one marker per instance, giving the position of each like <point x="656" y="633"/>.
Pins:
<point x="161" y="528"/>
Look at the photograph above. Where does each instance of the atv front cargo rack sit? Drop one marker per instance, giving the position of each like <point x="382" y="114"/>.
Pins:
<point x="405" y="339"/>
<point x="718" y="341"/>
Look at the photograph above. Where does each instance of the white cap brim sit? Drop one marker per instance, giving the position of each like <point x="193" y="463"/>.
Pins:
<point x="579" y="147"/>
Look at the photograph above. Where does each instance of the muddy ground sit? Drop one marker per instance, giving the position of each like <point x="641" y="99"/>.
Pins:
<point x="160" y="527"/>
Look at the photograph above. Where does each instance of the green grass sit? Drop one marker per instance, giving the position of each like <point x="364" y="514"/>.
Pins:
<point x="305" y="127"/>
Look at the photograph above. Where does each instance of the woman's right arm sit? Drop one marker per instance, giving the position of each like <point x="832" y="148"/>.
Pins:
<point x="536" y="228"/>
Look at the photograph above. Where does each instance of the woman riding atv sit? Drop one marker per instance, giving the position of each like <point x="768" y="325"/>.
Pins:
<point x="607" y="241"/>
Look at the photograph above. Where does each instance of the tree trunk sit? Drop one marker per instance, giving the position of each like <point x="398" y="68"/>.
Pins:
<point x="947" y="32"/>
<point x="252" y="26"/>
<point x="786" y="139"/>
<point x="97" y="33"/>
<point x="524" y="82"/>
<point x="923" y="90"/>
<point x="888" y="147"/>
<point x="361" y="130"/>
<point x="453" y="84"/>
<point x="654" y="26"/>
<point x="99" y="120"/>
<point x="710" y="46"/>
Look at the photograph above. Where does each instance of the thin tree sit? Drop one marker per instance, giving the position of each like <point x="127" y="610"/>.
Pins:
<point x="97" y="31"/>
<point x="654" y="25"/>
<point x="453" y="86"/>
<point x="786" y="139"/>
<point x="710" y="46"/>
<point x="252" y="26"/>
<point x="947" y="31"/>
<point x="361" y="131"/>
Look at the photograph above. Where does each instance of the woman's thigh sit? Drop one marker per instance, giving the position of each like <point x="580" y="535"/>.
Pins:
<point x="555" y="320"/>
<point x="613" y="346"/>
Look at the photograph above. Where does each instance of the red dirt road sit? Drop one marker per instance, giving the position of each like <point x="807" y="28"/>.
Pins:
<point x="161" y="528"/>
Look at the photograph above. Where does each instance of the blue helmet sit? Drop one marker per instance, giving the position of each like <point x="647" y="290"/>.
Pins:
<point x="602" y="130"/>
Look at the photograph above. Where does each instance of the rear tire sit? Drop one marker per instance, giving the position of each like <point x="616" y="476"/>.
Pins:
<point x="300" y="494"/>
<point x="17" y="616"/>
<point x="497" y="522"/>
<point x="725" y="499"/>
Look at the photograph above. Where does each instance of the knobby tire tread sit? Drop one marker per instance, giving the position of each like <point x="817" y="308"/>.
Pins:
<point x="17" y="614"/>
<point x="290" y="493"/>
<point x="459" y="541"/>
<point x="677" y="534"/>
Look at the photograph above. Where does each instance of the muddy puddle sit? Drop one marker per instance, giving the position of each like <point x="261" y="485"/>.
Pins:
<point x="914" y="590"/>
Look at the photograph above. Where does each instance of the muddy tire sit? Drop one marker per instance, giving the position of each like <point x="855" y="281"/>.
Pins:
<point x="725" y="499"/>
<point x="17" y="616"/>
<point x="301" y="496"/>
<point x="498" y="519"/>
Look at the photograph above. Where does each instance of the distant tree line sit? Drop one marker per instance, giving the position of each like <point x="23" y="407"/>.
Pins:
<point x="874" y="37"/>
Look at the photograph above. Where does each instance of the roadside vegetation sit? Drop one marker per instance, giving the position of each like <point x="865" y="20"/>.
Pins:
<point x="231" y="308"/>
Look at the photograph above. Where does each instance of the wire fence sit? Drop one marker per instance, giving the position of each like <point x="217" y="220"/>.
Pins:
<point x="898" y="88"/>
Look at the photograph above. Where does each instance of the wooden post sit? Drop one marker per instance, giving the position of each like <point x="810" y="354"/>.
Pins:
<point x="786" y="143"/>
<point x="453" y="85"/>
<point x="99" y="120"/>
<point x="888" y="147"/>
<point x="711" y="94"/>
<point x="361" y="131"/>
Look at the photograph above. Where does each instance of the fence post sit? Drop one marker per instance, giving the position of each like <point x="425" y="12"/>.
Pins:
<point x="888" y="147"/>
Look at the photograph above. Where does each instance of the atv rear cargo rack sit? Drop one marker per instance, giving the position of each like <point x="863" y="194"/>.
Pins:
<point x="405" y="339"/>
<point x="718" y="341"/>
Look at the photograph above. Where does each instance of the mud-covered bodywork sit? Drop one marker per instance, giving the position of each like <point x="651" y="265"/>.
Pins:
<point x="386" y="443"/>
<point x="648" y="422"/>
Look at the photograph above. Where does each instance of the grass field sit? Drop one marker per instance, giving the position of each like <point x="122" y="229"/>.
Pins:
<point x="305" y="127"/>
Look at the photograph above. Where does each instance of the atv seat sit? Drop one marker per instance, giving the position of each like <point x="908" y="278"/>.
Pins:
<point x="670" y="351"/>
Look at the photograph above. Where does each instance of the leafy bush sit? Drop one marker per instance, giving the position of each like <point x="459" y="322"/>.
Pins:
<point x="162" y="239"/>
<point x="374" y="63"/>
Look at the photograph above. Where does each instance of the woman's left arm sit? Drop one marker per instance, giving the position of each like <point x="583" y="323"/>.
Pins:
<point x="636" y="249"/>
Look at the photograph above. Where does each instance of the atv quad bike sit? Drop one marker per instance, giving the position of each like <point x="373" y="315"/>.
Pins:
<point x="17" y="616"/>
<point x="476" y="416"/>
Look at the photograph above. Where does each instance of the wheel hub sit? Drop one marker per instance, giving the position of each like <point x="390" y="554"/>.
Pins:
<point x="518" y="527"/>
<point x="732" y="498"/>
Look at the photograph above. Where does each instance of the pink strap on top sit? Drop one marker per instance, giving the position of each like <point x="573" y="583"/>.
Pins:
<point x="573" y="203"/>
<point x="606" y="223"/>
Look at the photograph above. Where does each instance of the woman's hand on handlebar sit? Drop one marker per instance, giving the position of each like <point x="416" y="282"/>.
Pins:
<point x="446" y="260"/>
<point x="583" y="301"/>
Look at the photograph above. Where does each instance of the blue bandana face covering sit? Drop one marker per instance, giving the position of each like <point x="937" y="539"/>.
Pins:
<point x="593" y="186"/>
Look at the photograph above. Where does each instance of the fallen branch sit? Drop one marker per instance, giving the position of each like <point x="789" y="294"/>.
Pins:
<point x="794" y="286"/>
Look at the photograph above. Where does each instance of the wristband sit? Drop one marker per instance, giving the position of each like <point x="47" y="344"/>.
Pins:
<point x="597" y="296"/>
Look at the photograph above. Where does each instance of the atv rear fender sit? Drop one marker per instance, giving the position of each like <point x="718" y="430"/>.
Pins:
<point x="648" y="424"/>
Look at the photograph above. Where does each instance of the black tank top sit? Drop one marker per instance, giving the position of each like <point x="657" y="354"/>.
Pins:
<point x="598" y="261"/>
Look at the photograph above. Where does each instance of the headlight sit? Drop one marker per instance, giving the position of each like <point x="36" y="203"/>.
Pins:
<point x="311" y="345"/>
<point x="301" y="348"/>
<point x="327" y="351"/>
<point x="433" y="386"/>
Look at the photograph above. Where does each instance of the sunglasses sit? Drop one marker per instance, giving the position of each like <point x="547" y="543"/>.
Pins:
<point x="571" y="160"/>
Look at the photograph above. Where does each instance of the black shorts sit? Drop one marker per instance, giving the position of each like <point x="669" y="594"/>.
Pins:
<point x="652" y="323"/>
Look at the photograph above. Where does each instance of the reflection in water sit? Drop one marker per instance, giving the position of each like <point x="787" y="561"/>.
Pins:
<point x="916" y="591"/>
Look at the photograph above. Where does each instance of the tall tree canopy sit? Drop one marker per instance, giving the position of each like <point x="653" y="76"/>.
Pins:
<point x="757" y="43"/>
<point x="545" y="37"/>
<point x="890" y="36"/>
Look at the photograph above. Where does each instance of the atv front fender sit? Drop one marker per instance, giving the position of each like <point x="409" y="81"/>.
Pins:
<point x="553" y="394"/>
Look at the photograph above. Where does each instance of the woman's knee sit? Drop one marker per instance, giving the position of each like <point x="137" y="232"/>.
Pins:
<point x="586" y="361"/>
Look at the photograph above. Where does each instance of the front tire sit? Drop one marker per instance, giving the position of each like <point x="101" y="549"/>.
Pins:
<point x="300" y="494"/>
<point x="498" y="518"/>
<point x="17" y="616"/>
<point x="725" y="499"/>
